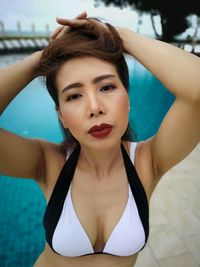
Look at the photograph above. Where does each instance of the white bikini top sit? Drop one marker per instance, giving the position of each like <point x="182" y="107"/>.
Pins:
<point x="69" y="238"/>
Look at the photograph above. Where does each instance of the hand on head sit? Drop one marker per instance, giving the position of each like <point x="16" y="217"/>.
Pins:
<point x="79" y="22"/>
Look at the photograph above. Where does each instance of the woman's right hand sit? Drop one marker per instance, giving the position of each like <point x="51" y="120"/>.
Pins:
<point x="80" y="22"/>
<point x="60" y="31"/>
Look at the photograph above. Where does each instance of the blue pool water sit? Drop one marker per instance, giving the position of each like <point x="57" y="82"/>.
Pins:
<point x="32" y="114"/>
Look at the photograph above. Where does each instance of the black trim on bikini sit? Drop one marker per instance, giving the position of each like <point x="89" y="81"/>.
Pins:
<point x="137" y="191"/>
<point x="56" y="201"/>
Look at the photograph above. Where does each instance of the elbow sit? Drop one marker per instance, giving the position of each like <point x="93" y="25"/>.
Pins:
<point x="196" y="91"/>
<point x="196" y="97"/>
<point x="193" y="96"/>
<point x="192" y="89"/>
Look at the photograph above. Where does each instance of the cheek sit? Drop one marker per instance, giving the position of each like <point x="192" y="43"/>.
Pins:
<point x="122" y="112"/>
<point x="70" y="117"/>
<point x="121" y="105"/>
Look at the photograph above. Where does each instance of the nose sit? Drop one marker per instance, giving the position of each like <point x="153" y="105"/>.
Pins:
<point x="95" y="107"/>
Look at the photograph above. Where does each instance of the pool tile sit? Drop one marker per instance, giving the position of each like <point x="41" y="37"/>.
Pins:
<point x="184" y="260"/>
<point x="146" y="258"/>
<point x="193" y="245"/>
<point x="165" y="242"/>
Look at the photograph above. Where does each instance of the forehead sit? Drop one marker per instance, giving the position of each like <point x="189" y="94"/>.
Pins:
<point x="84" y="68"/>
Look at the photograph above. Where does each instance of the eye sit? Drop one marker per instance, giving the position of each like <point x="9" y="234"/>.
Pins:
<point x="73" y="97"/>
<point x="108" y="87"/>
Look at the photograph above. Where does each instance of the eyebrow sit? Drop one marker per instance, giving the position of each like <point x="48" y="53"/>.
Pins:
<point x="96" y="80"/>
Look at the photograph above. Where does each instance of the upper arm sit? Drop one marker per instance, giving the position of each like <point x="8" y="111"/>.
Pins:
<point x="21" y="157"/>
<point x="177" y="136"/>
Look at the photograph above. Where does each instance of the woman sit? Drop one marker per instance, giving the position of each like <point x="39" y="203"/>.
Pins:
<point x="100" y="218"/>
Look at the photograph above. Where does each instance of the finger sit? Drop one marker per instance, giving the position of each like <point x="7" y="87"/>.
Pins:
<point x="75" y="23"/>
<point x="60" y="34"/>
<point x="63" y="20"/>
<point x="82" y="15"/>
<point x="60" y="30"/>
<point x="57" y="31"/>
<point x="66" y="24"/>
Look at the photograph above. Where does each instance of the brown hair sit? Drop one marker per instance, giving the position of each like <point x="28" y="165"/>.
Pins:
<point x="103" y="44"/>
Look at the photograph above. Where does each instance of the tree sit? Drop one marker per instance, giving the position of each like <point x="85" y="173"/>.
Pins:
<point x="173" y="14"/>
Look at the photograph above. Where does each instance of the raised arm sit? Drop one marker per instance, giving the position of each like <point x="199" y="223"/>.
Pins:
<point x="19" y="157"/>
<point x="15" y="77"/>
<point x="179" y="71"/>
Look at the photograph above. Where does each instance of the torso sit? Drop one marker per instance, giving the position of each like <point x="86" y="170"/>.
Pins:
<point x="97" y="206"/>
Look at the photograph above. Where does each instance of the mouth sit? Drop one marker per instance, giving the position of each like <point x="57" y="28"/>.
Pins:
<point x="100" y="131"/>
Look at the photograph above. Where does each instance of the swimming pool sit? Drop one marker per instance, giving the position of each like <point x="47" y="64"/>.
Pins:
<point x="32" y="114"/>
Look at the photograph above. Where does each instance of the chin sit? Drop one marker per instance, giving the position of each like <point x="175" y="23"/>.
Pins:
<point x="102" y="144"/>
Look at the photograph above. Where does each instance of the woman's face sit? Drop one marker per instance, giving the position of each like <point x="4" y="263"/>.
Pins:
<point x="91" y="93"/>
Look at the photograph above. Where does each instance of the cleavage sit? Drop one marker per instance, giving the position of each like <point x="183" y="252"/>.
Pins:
<point x="100" y="233"/>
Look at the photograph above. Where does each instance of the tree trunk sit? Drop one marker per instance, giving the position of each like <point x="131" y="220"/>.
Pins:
<point x="158" y="36"/>
<point x="196" y="29"/>
<point x="139" y="21"/>
<point x="166" y="34"/>
<point x="194" y="37"/>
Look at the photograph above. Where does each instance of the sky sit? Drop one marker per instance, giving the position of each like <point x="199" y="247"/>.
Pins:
<point x="41" y="12"/>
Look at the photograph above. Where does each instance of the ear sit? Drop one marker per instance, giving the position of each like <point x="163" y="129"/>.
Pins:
<point x="61" y="118"/>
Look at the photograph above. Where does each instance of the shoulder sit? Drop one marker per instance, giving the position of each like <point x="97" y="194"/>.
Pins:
<point x="143" y="162"/>
<point x="54" y="158"/>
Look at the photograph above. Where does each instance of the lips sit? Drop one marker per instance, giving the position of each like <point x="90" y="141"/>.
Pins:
<point x="99" y="127"/>
<point x="101" y="131"/>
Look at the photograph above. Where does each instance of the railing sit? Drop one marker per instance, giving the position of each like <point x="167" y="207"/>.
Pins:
<point x="23" y="43"/>
<point x="189" y="46"/>
<point x="20" y="41"/>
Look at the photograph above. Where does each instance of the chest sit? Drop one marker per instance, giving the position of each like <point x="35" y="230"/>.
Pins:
<point x="99" y="205"/>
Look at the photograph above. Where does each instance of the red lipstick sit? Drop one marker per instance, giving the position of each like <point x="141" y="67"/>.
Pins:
<point x="100" y="131"/>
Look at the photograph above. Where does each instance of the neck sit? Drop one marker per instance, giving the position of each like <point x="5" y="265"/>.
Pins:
<point x="100" y="163"/>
